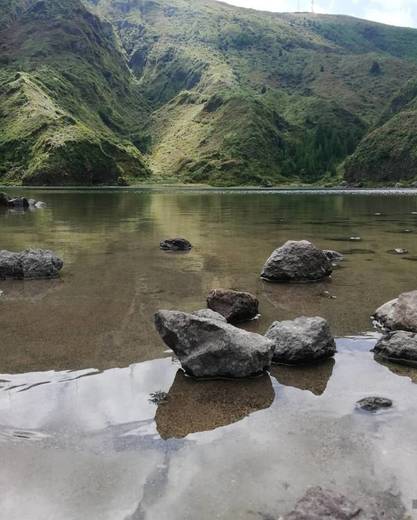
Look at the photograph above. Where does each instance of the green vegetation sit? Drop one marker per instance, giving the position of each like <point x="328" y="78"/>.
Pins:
<point x="202" y="92"/>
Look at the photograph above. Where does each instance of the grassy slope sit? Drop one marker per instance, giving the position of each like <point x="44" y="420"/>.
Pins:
<point x="67" y="98"/>
<point x="388" y="154"/>
<point x="240" y="96"/>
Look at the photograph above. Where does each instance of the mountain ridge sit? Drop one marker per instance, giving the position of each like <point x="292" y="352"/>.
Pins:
<point x="204" y="92"/>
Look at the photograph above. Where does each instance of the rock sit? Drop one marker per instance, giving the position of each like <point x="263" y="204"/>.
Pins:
<point x="175" y="244"/>
<point x="211" y="348"/>
<point x="400" y="251"/>
<point x="383" y="317"/>
<point x="32" y="263"/>
<point x="399" y="314"/>
<point x="398" y="346"/>
<point x="318" y="504"/>
<point x="333" y="256"/>
<point x="235" y="306"/>
<point x="209" y="314"/>
<point x="373" y="404"/>
<point x="19" y="202"/>
<point x="297" y="262"/>
<point x="355" y="239"/>
<point x="302" y="340"/>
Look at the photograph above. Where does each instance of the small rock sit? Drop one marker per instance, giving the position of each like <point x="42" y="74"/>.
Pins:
<point x="398" y="346"/>
<point x="235" y="306"/>
<point x="373" y="404"/>
<point x="333" y="256"/>
<point x="297" y="262"/>
<point x="398" y="251"/>
<point x="175" y="244"/>
<point x="326" y="294"/>
<point x="210" y="348"/>
<point x="302" y="340"/>
<point x="19" y="202"/>
<point x="29" y="264"/>
<point x="319" y="504"/>
<point x="355" y="239"/>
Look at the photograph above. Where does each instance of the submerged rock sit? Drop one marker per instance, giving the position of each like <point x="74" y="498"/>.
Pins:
<point x="175" y="244"/>
<point x="373" y="404"/>
<point x="195" y="406"/>
<point x="297" y="262"/>
<point x="235" y="306"/>
<point x="399" y="346"/>
<point x="29" y="264"/>
<point x="318" y="504"/>
<point x="399" y="314"/>
<point x="211" y="348"/>
<point x="302" y="340"/>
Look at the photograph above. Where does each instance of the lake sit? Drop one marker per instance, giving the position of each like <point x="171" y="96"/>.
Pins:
<point x="85" y="431"/>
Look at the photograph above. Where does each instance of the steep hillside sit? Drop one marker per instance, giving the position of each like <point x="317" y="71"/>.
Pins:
<point x="67" y="98"/>
<point x="388" y="154"/>
<point x="240" y="96"/>
<point x="204" y="91"/>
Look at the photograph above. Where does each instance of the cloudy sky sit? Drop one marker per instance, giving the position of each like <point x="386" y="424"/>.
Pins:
<point x="393" y="12"/>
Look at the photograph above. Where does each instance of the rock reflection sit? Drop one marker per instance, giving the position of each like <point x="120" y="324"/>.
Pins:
<point x="312" y="377"/>
<point x="194" y="406"/>
<point x="398" y="369"/>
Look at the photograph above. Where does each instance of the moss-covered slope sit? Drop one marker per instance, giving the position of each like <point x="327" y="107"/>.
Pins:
<point x="69" y="107"/>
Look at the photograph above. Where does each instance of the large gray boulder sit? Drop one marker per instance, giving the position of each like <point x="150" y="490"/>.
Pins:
<point x="302" y="340"/>
<point x="29" y="264"/>
<point x="211" y="348"/>
<point x="235" y="306"/>
<point x="399" y="346"/>
<point x="319" y="504"/>
<point x="297" y="262"/>
<point x="398" y="314"/>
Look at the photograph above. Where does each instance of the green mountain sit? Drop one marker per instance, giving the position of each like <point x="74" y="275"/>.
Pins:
<point x="200" y="91"/>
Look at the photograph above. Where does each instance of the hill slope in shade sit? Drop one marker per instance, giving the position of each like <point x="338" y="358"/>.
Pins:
<point x="206" y="92"/>
<point x="66" y="98"/>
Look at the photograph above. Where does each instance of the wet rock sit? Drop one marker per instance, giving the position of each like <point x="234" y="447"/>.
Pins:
<point x="19" y="202"/>
<point x="399" y="346"/>
<point x="297" y="262"/>
<point x="29" y="264"/>
<point x="373" y="404"/>
<point x="195" y="406"/>
<point x="333" y="256"/>
<point x="399" y="314"/>
<point x="235" y="306"/>
<point x="209" y="314"/>
<point x="318" y="504"/>
<point x="175" y="244"/>
<point x="211" y="348"/>
<point x="302" y="340"/>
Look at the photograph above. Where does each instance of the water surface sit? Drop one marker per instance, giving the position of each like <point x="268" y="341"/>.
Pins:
<point x="81" y="436"/>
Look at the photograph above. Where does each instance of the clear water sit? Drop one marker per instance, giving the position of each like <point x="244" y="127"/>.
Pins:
<point x="81" y="436"/>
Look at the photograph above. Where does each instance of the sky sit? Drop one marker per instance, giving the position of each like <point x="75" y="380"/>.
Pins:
<point x="392" y="12"/>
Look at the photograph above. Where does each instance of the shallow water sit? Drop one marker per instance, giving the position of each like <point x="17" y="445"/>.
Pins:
<point x="81" y="436"/>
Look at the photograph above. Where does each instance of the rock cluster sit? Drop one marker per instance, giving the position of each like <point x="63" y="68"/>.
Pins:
<point x="29" y="264"/>
<point x="19" y="202"/>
